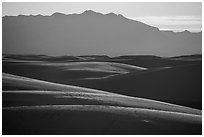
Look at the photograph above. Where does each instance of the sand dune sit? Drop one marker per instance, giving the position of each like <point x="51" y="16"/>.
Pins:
<point x="30" y="58"/>
<point x="149" y="61"/>
<point x="98" y="95"/>
<point x="96" y="119"/>
<point x="63" y="71"/>
<point x="128" y="100"/>
<point x="142" y="113"/>
<point x="179" y="85"/>
<point x="188" y="58"/>
<point x="24" y="82"/>
<point x="97" y="66"/>
<point x="51" y="108"/>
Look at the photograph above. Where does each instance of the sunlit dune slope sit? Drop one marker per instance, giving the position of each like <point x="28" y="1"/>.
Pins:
<point x="97" y="66"/>
<point x="67" y="70"/>
<point x="91" y="94"/>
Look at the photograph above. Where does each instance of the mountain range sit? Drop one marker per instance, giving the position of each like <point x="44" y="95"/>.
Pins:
<point x="92" y="33"/>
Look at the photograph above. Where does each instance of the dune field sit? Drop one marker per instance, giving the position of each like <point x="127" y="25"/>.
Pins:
<point x="46" y="97"/>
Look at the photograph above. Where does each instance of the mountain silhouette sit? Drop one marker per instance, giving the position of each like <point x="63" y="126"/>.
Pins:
<point x="93" y="33"/>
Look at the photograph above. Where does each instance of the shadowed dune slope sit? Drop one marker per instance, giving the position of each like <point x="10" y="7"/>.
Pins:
<point x="149" y="61"/>
<point x="180" y="85"/>
<point x="188" y="57"/>
<point x="13" y="57"/>
<point x="91" y="119"/>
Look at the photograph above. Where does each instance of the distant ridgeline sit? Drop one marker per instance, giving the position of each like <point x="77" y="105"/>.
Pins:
<point x="92" y="33"/>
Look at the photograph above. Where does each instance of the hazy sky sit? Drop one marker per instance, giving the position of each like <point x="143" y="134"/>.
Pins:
<point x="171" y="16"/>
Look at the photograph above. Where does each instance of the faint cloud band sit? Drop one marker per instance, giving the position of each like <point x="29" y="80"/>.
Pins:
<point x="165" y="22"/>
